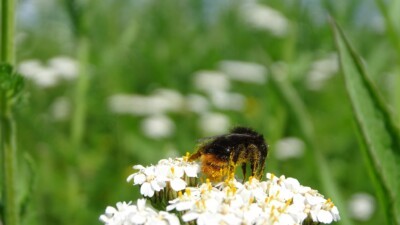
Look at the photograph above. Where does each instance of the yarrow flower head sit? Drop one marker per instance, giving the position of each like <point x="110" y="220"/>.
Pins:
<point x="167" y="177"/>
<point x="173" y="185"/>
<point x="278" y="200"/>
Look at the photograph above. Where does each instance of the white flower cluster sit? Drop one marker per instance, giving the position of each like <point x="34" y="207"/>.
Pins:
<point x="172" y="185"/>
<point x="128" y="214"/>
<point x="278" y="200"/>
<point x="172" y="173"/>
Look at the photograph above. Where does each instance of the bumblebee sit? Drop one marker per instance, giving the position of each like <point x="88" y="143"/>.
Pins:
<point x="221" y="155"/>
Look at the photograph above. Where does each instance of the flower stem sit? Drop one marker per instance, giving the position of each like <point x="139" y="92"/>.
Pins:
<point x="7" y="125"/>
<point x="7" y="51"/>
<point x="8" y="149"/>
<point x="78" y="120"/>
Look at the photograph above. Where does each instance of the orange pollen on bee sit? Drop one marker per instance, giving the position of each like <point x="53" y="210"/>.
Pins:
<point x="213" y="167"/>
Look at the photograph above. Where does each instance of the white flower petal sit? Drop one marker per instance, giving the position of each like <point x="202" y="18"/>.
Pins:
<point x="111" y="210"/>
<point x="139" y="179"/>
<point x="155" y="185"/>
<point x="146" y="190"/>
<point x="178" y="184"/>
<point x="138" y="167"/>
<point x="191" y="171"/>
<point x="190" y="216"/>
<point x="324" y="216"/>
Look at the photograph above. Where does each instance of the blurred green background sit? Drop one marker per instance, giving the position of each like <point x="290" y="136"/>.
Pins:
<point x="111" y="84"/>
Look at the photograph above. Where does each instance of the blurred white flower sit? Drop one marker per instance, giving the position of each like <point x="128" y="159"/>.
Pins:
<point x="65" y="67"/>
<point x="228" y="101"/>
<point x="265" y="18"/>
<point x="35" y="71"/>
<point x="159" y="102"/>
<point x="45" y="77"/>
<point x="289" y="147"/>
<point x="361" y="206"/>
<point x="140" y="214"/>
<point x="137" y="104"/>
<point x="321" y="71"/>
<point x="60" y="109"/>
<point x="244" y="71"/>
<point x="214" y="123"/>
<point x="210" y="81"/>
<point x="197" y="103"/>
<point x="28" y="68"/>
<point x="158" y="126"/>
<point x="174" y="99"/>
<point x="49" y="76"/>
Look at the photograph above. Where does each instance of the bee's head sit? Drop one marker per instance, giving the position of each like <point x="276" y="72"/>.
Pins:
<point x="219" y="151"/>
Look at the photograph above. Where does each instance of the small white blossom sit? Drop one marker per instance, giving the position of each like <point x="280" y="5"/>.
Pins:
<point x="128" y="214"/>
<point x="60" y="109"/>
<point x="174" y="173"/>
<point x="228" y="101"/>
<point x="174" y="99"/>
<point x="158" y="126"/>
<point x="361" y="206"/>
<point x="64" y="66"/>
<point x="214" y="123"/>
<point x="137" y="104"/>
<point x="265" y="18"/>
<point x="321" y="70"/>
<point x="149" y="181"/>
<point x="244" y="71"/>
<point x="50" y="75"/>
<point x="289" y="147"/>
<point x="197" y="103"/>
<point x="159" y="102"/>
<point x="210" y="81"/>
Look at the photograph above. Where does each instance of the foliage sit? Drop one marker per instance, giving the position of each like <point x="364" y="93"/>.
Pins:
<point x="139" y="47"/>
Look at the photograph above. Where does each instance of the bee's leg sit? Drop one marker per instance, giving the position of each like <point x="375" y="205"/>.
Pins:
<point x="244" y="171"/>
<point x="254" y="155"/>
<point x="261" y="162"/>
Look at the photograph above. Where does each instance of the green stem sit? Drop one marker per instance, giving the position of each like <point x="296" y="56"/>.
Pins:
<point x="8" y="149"/>
<point x="78" y="120"/>
<point x="7" y="125"/>
<point x="7" y="50"/>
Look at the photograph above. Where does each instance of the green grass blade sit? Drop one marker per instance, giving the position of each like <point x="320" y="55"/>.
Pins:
<point x="297" y="108"/>
<point x="378" y="131"/>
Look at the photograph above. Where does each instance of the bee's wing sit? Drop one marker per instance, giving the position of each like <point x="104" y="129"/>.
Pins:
<point x="209" y="139"/>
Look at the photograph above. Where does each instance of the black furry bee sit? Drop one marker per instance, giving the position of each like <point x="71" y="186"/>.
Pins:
<point x="220" y="155"/>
